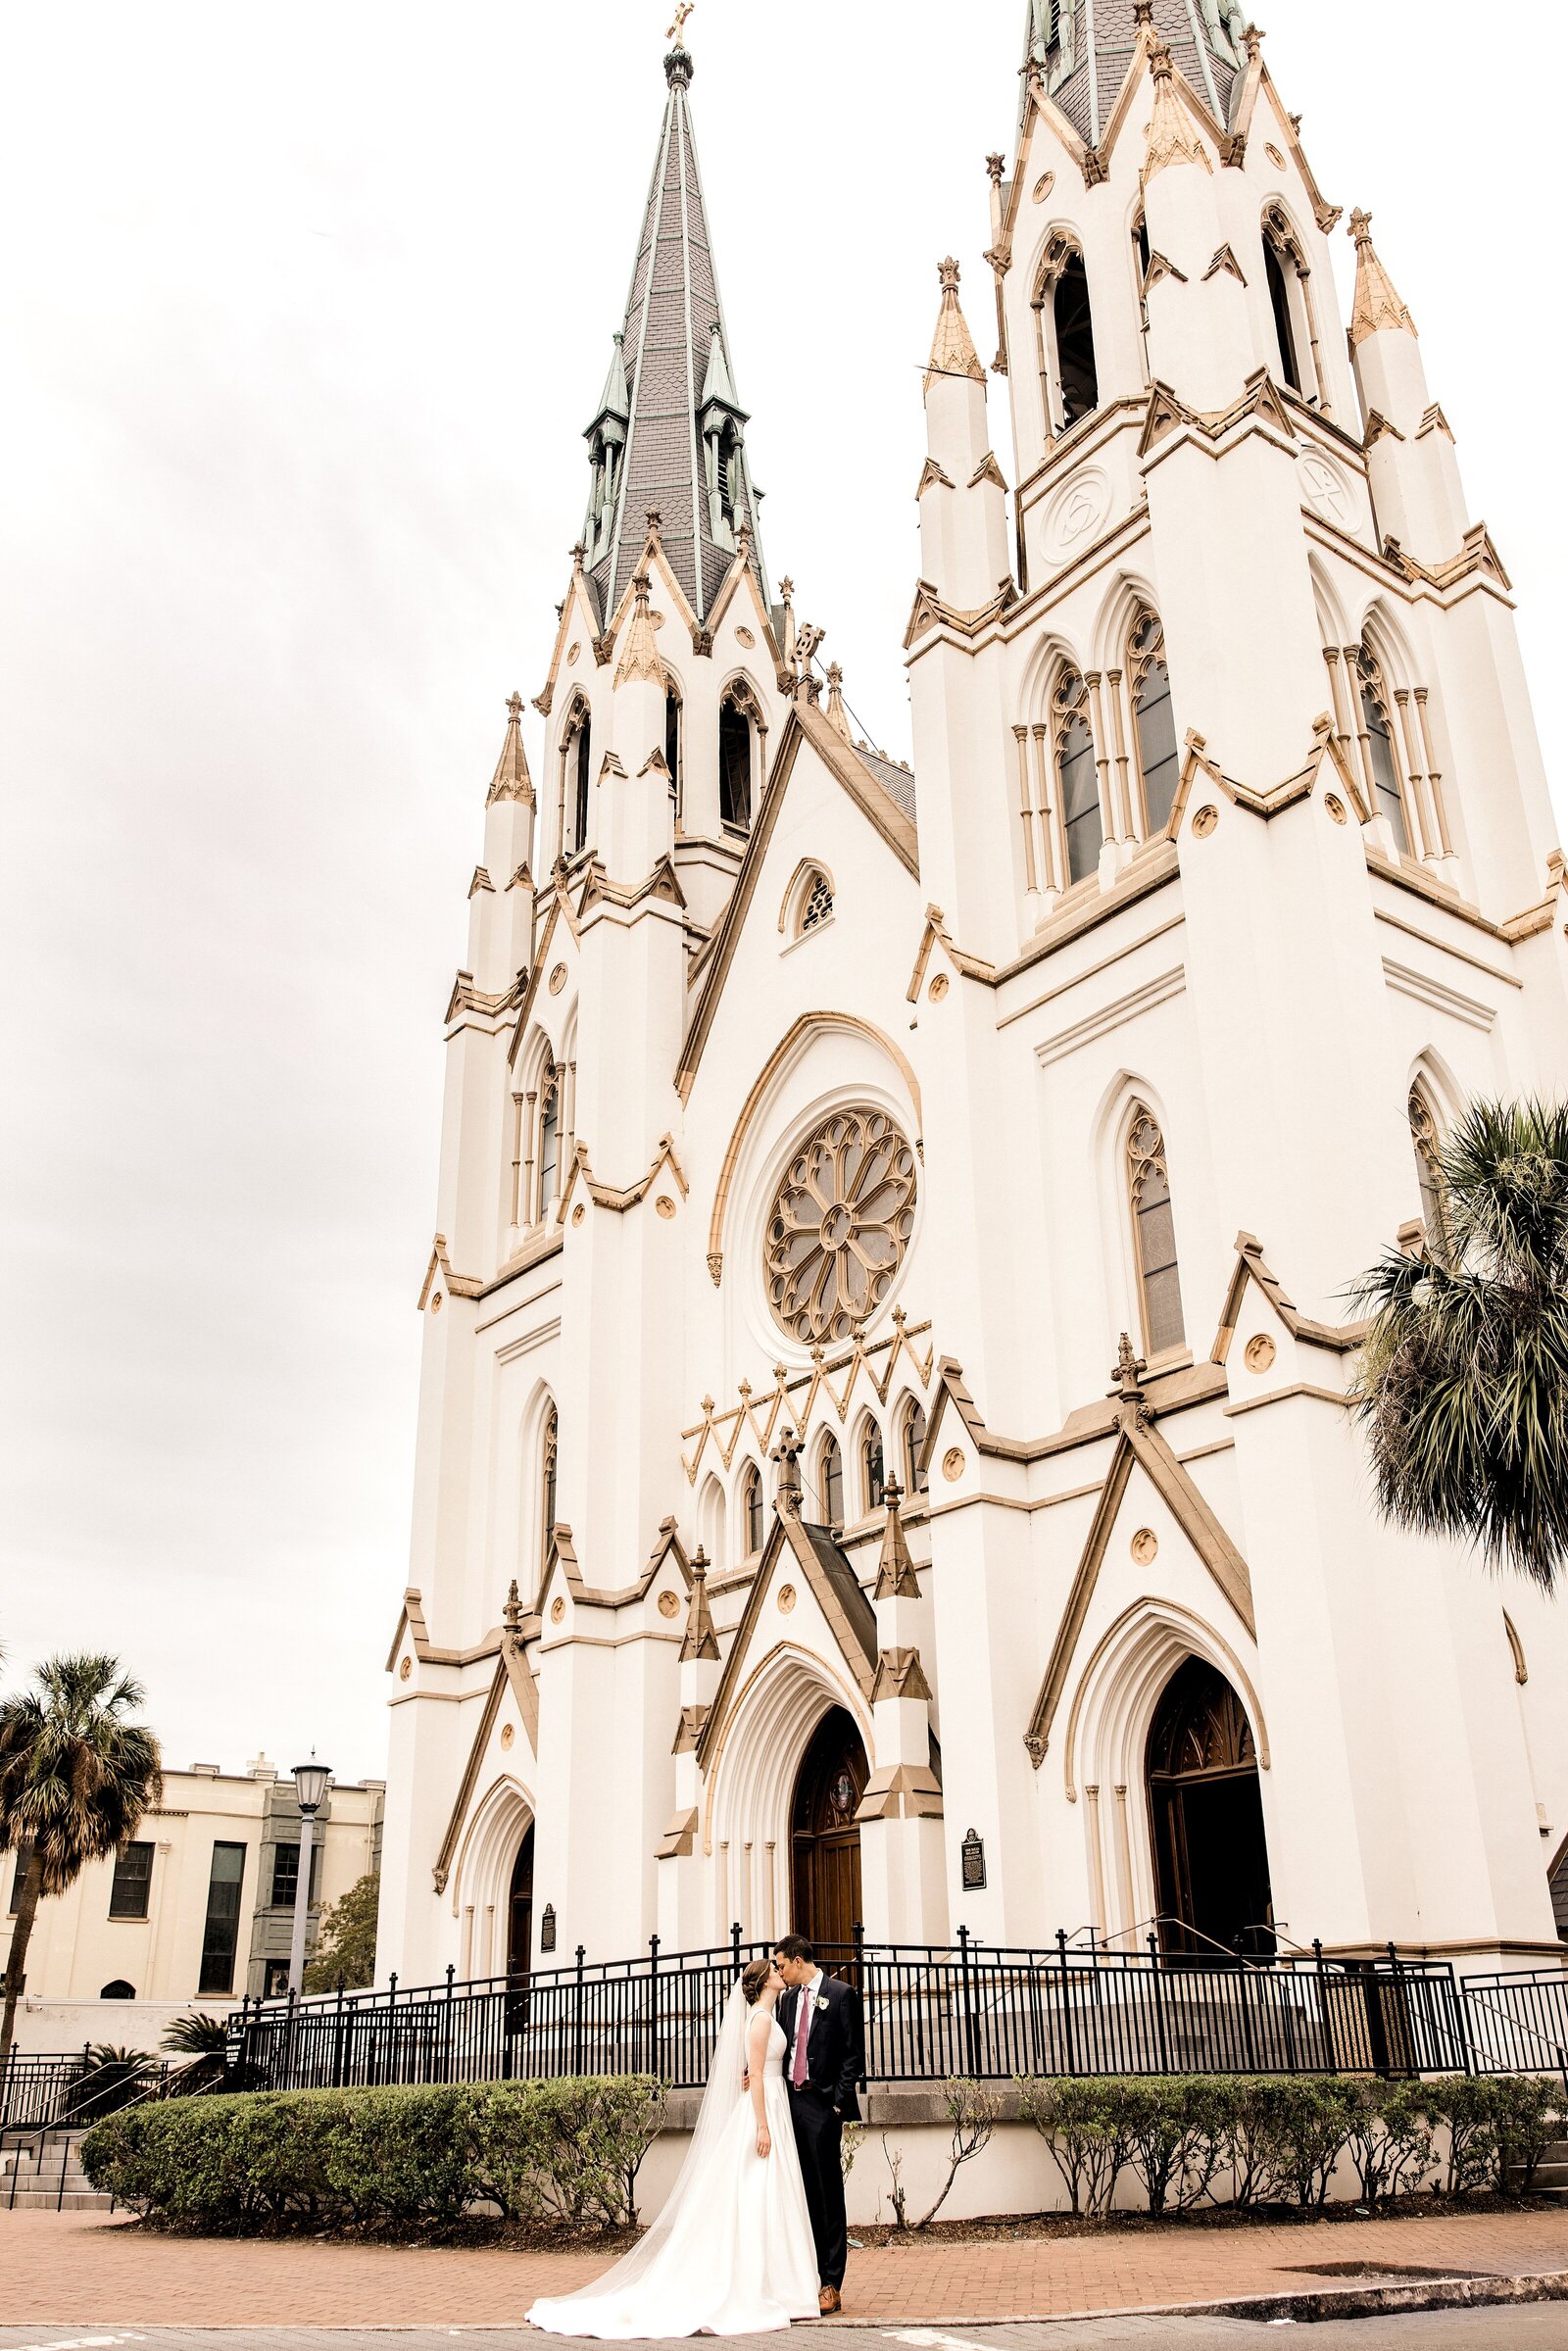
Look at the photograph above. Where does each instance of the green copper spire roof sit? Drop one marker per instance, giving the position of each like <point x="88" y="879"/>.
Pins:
<point x="1084" y="48"/>
<point x="669" y="433"/>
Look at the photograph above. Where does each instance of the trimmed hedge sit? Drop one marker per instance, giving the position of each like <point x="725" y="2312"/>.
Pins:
<point x="559" y="2154"/>
<point x="1279" y="2138"/>
<point x="567" y="2154"/>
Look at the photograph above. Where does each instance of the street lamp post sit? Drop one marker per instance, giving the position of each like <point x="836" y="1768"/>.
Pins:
<point x="310" y="1785"/>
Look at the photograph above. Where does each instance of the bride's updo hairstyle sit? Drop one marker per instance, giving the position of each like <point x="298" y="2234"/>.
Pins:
<point x="754" y="1983"/>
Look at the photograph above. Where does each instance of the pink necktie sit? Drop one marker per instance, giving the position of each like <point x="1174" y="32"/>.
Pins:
<point x="803" y="2033"/>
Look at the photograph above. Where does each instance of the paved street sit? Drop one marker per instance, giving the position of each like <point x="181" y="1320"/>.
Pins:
<point x="1541" y="2327"/>
<point x="90" y="2271"/>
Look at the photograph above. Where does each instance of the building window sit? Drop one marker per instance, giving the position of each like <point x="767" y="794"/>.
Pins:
<point x="120" y="1989"/>
<point x="1154" y="1236"/>
<point x="1285" y="275"/>
<point x="1153" y="723"/>
<point x="752" y="1509"/>
<point x="549" y="1139"/>
<point x="220" y="1938"/>
<point x="735" y="757"/>
<point x="1279" y="294"/>
<point x="816" y="903"/>
<point x="1141" y="260"/>
<point x="286" y="1876"/>
<point x="1077" y="778"/>
<point x="672" y="743"/>
<point x="871" y="1468"/>
<point x="1428" y="1164"/>
<point x="916" y="1480"/>
<point x="546" y="1485"/>
<point x="133" y="1878"/>
<point x="576" y="780"/>
<point x="1376" y="719"/>
<point x="831" y="1480"/>
<point x="1076" y="374"/>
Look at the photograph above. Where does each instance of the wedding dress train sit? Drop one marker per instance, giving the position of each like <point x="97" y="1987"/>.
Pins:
<point x="732" y="2251"/>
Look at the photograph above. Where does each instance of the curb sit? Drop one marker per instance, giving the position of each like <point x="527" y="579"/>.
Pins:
<point x="1464" y="2293"/>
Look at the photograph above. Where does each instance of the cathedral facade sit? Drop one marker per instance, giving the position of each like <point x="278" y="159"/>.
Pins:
<point x="884" y="1456"/>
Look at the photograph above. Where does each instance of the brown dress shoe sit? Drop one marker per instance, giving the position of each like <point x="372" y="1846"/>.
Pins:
<point x="827" y="2301"/>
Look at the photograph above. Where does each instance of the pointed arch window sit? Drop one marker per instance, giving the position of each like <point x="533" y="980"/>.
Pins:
<point x="1069" y="377"/>
<point x="752" y="1509"/>
<point x="674" y="741"/>
<point x="1077" y="376"/>
<point x="872" y="1471"/>
<point x="1285" y="275"/>
<point x="737" y="728"/>
<point x="1378" y="724"/>
<point x="1279" y="295"/>
<point x="576" y="780"/>
<point x="1141" y="260"/>
<point x="1154" y="723"/>
<point x="549" y="1139"/>
<point x="1154" y="1234"/>
<point x="546" y="1485"/>
<point x="813" y="901"/>
<point x="1077" y="778"/>
<point x="916" y="1480"/>
<point x="830" y="1481"/>
<point x="1427" y="1144"/>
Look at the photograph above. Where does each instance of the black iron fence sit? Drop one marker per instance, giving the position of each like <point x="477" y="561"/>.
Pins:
<point x="36" y="2091"/>
<point x="930" y="2013"/>
<point x="61" y="2093"/>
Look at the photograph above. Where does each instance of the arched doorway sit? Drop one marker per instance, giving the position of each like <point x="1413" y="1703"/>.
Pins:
<point x="825" y="1839"/>
<point x="519" y="1911"/>
<point x="1207" y="1814"/>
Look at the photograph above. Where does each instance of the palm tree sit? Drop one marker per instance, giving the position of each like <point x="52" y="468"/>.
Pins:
<point x="1463" y="1383"/>
<point x="76" y="1777"/>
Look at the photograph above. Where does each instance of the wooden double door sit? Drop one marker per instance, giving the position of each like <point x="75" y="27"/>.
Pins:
<point x="1206" y="1815"/>
<point x="825" y="1836"/>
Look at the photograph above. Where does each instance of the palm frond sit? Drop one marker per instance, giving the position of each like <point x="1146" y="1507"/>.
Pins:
<point x="1463" y="1386"/>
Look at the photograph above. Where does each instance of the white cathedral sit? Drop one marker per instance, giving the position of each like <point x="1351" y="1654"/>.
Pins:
<point x="883" y="1452"/>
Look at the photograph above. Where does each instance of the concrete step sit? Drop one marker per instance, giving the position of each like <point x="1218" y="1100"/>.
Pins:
<point x="49" y="2199"/>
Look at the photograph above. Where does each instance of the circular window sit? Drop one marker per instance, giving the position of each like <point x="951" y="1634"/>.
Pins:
<point x="840" y="1226"/>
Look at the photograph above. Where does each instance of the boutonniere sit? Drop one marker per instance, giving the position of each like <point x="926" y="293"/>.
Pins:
<point x="821" y="1999"/>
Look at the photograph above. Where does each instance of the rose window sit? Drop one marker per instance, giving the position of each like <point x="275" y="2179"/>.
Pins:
<point x="840" y="1226"/>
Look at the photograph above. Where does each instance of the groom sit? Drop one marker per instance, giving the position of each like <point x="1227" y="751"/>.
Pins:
<point x="824" y="2057"/>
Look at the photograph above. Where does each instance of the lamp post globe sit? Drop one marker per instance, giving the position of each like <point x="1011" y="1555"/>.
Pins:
<point x="310" y="1787"/>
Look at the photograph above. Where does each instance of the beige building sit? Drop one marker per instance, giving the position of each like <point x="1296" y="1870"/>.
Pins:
<point x="195" y="1911"/>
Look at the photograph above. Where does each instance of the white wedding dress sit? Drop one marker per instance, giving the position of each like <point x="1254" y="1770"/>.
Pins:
<point x="732" y="2251"/>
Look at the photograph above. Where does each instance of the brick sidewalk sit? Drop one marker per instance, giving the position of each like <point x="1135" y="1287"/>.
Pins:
<point x="76" y="2268"/>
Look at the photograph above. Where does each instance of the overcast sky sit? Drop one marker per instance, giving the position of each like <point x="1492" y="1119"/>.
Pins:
<point x="303" y="311"/>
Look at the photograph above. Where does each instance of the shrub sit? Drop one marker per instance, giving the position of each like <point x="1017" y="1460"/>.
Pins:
<point x="564" y="2152"/>
<point x="972" y="2110"/>
<point x="1082" y="2123"/>
<point x="1389" y="2138"/>
<point x="1175" y="2132"/>
<point x="1524" y="2111"/>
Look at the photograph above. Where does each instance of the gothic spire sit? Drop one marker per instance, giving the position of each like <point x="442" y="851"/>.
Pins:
<point x="1377" y="305"/>
<point x="511" y="780"/>
<point x="1082" y="50"/>
<point x="669" y="431"/>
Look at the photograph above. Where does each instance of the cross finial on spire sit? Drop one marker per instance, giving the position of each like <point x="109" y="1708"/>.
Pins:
<point x="677" y="32"/>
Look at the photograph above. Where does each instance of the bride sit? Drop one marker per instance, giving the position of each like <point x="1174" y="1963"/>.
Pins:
<point x="732" y="2252"/>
